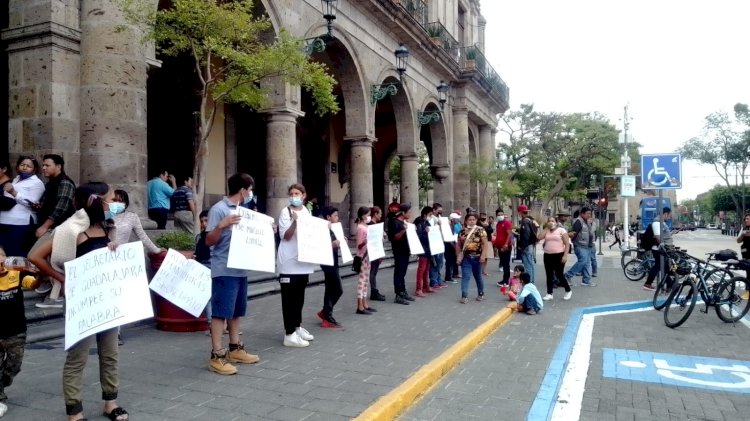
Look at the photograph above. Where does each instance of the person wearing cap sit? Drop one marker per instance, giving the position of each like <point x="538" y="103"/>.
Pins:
<point x="503" y="242"/>
<point x="401" y="253"/>
<point x="451" y="266"/>
<point x="527" y="238"/>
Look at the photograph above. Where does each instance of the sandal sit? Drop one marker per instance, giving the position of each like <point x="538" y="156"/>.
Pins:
<point x="116" y="413"/>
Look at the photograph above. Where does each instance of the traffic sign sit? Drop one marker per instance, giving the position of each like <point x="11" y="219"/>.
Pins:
<point x="661" y="171"/>
<point x="627" y="186"/>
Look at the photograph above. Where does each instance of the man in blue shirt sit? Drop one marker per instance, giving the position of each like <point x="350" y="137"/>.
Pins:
<point x="159" y="193"/>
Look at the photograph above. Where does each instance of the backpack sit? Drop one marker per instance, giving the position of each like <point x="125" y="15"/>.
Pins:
<point x="529" y="226"/>
<point x="647" y="239"/>
<point x="276" y="235"/>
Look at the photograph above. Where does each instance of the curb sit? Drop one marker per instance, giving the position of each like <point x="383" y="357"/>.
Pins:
<point x="389" y="406"/>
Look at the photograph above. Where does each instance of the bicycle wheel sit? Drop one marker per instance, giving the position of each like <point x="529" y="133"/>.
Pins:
<point x="635" y="270"/>
<point x="732" y="302"/>
<point x="680" y="303"/>
<point x="627" y="256"/>
<point x="661" y="293"/>
<point x="715" y="277"/>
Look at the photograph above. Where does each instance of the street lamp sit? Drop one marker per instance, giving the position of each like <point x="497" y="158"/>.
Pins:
<point x="442" y="89"/>
<point x="318" y="44"/>
<point x="329" y="14"/>
<point x="425" y="118"/>
<point x="378" y="92"/>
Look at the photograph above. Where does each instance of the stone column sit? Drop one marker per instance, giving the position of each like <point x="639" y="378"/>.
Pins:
<point x="113" y="101"/>
<point x="43" y="46"/>
<point x="441" y="185"/>
<point x="487" y="157"/>
<point x="360" y="186"/>
<point x="281" y="157"/>
<point x="461" y="188"/>
<point x="410" y="182"/>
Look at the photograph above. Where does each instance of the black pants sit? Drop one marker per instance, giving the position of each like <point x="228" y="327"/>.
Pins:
<point x="617" y="241"/>
<point x="451" y="267"/>
<point x="374" y="266"/>
<point x="660" y="262"/>
<point x="553" y="267"/>
<point x="333" y="289"/>
<point x="505" y="264"/>
<point x="292" y="300"/>
<point x="159" y="215"/>
<point x="399" y="273"/>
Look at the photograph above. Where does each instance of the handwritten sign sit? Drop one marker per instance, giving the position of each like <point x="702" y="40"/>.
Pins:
<point x="252" y="246"/>
<point x="314" y="241"/>
<point x="183" y="282"/>
<point x="105" y="289"/>
<point x="446" y="228"/>
<point x="437" y="246"/>
<point x="338" y="231"/>
<point x="375" y="249"/>
<point x="415" y="247"/>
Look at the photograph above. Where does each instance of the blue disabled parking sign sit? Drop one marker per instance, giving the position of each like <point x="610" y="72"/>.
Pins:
<point x="661" y="171"/>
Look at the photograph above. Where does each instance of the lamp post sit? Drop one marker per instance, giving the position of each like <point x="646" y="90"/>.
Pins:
<point x="378" y="92"/>
<point x="329" y="14"/>
<point x="424" y="117"/>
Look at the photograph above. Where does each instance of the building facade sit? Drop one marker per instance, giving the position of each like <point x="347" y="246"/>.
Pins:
<point x="82" y="83"/>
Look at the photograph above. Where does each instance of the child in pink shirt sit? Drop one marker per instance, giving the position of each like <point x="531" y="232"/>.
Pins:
<point x="514" y="284"/>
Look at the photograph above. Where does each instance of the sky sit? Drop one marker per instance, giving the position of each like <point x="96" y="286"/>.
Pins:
<point x="672" y="62"/>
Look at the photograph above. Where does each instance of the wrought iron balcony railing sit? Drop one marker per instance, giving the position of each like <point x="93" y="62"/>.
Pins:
<point x="442" y="38"/>
<point x="417" y="9"/>
<point x="471" y="59"/>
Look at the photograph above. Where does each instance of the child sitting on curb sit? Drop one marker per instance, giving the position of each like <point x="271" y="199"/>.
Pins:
<point x="514" y="284"/>
<point x="529" y="300"/>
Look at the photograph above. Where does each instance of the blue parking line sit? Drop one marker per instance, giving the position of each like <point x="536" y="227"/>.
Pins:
<point x="544" y="403"/>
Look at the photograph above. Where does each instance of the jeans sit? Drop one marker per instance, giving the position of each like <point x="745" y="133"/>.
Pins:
<point x="374" y="266"/>
<point x="583" y="265"/>
<point x="471" y="265"/>
<point x="401" y="264"/>
<point x="527" y="258"/>
<point x="505" y="264"/>
<point x="333" y="289"/>
<point x="594" y="265"/>
<point x="451" y="267"/>
<point x="75" y="362"/>
<point x="530" y="303"/>
<point x="436" y="266"/>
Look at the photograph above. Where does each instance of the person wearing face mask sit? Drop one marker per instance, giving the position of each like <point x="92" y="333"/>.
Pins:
<point x="293" y="274"/>
<point x="555" y="242"/>
<point x="376" y="216"/>
<point x="128" y="223"/>
<point x="503" y="243"/>
<point x="18" y="223"/>
<point x="401" y="253"/>
<point x="423" y="266"/>
<point x="471" y="241"/>
<point x="438" y="260"/>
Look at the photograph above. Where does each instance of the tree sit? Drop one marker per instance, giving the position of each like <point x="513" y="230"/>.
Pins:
<point x="725" y="145"/>
<point x="486" y="174"/>
<point x="424" y="177"/>
<point x="233" y="61"/>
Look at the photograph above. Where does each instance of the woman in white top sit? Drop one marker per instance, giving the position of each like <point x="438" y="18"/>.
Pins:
<point x="17" y="224"/>
<point x="128" y="222"/>
<point x="293" y="274"/>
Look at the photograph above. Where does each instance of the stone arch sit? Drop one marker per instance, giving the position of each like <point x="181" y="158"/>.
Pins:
<point x="403" y="111"/>
<point x="440" y="168"/>
<point x="273" y="14"/>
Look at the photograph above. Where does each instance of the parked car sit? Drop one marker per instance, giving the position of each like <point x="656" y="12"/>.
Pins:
<point x="712" y="226"/>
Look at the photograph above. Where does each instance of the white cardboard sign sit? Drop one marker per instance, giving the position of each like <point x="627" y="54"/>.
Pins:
<point x="252" y="246"/>
<point x="105" y="289"/>
<point x="338" y="231"/>
<point x="314" y="241"/>
<point x="375" y="249"/>
<point x="183" y="282"/>
<point x="415" y="247"/>
<point x="446" y="228"/>
<point x="437" y="246"/>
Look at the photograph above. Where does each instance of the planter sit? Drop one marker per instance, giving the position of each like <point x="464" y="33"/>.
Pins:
<point x="470" y="64"/>
<point x="437" y="41"/>
<point x="169" y="317"/>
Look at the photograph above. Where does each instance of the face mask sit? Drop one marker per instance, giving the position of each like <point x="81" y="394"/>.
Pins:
<point x="24" y="175"/>
<point x="470" y="226"/>
<point x="295" y="201"/>
<point x="368" y="219"/>
<point x="552" y="225"/>
<point x="249" y="198"/>
<point x="500" y="218"/>
<point x="108" y="214"/>
<point x="116" y="208"/>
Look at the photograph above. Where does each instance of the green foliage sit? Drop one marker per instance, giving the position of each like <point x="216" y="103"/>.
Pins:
<point x="424" y="175"/>
<point x="178" y="240"/>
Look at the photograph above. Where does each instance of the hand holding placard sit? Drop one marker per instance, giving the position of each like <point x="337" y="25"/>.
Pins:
<point x="252" y="246"/>
<point x="183" y="282"/>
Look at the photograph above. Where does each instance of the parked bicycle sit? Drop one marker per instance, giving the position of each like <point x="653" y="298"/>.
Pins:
<point x="636" y="269"/>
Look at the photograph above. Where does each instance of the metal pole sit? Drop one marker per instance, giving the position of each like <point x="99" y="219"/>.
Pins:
<point x="659" y="207"/>
<point x="601" y="218"/>
<point x="626" y="210"/>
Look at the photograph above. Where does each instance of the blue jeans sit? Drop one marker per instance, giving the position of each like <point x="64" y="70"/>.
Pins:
<point x="530" y="303"/>
<point x="594" y="266"/>
<point x="436" y="265"/>
<point x="527" y="258"/>
<point x="470" y="265"/>
<point x="583" y="265"/>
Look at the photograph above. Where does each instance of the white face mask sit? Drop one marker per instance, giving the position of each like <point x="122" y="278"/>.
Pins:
<point x="368" y="219"/>
<point x="552" y="225"/>
<point x="500" y="218"/>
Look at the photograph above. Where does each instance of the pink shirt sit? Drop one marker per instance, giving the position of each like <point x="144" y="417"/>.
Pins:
<point x="553" y="242"/>
<point x="361" y="238"/>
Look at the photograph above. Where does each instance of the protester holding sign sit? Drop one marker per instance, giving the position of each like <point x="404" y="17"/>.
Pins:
<point x="228" y="285"/>
<point x="363" y="278"/>
<point x="293" y="274"/>
<point x="90" y="228"/>
<point x="423" y="266"/>
<point x="376" y="216"/>
<point x="400" y="246"/>
<point x="333" y="289"/>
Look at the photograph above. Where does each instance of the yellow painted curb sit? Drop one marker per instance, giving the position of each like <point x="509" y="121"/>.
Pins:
<point x="388" y="407"/>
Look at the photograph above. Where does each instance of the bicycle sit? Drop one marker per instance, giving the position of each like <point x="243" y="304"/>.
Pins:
<point x="631" y="253"/>
<point x="726" y="296"/>
<point x="675" y="257"/>
<point x="637" y="269"/>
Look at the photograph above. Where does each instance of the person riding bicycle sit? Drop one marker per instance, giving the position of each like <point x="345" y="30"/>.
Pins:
<point x="662" y="235"/>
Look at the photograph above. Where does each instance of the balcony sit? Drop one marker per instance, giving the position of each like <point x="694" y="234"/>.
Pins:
<point x="417" y="9"/>
<point x="472" y="61"/>
<point x="442" y="38"/>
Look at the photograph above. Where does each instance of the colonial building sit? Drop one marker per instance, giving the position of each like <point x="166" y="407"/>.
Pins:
<point x="81" y="87"/>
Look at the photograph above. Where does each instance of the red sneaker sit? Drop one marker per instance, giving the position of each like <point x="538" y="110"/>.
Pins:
<point x="321" y="316"/>
<point x="330" y="325"/>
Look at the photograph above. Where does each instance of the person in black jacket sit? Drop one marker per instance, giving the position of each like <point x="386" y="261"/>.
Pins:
<point x="423" y="267"/>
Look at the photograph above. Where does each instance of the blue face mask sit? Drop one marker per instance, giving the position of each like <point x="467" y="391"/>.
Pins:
<point x="24" y="175"/>
<point x="116" y="208"/>
<point x="108" y="214"/>
<point x="295" y="201"/>
<point x="249" y="198"/>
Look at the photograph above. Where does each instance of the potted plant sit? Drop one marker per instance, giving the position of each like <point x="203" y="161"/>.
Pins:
<point x="435" y="31"/>
<point x="169" y="317"/>
<point x="470" y="59"/>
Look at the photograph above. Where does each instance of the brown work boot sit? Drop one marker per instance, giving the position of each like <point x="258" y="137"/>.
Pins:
<point x="237" y="354"/>
<point x="218" y="363"/>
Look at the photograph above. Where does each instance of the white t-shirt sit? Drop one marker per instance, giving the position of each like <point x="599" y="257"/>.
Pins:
<point x="286" y="258"/>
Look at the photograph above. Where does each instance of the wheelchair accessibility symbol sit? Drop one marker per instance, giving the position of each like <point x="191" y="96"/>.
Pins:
<point x="677" y="370"/>
<point x="662" y="171"/>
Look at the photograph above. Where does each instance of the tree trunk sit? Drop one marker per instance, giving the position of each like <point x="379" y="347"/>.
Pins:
<point x="558" y="187"/>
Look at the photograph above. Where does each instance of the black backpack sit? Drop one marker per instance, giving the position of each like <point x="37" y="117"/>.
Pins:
<point x="531" y="231"/>
<point x="647" y="239"/>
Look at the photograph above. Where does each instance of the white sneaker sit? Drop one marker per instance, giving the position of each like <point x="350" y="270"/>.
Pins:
<point x="304" y="334"/>
<point x="568" y="295"/>
<point x="548" y="297"/>
<point x="295" y="341"/>
<point x="3" y="409"/>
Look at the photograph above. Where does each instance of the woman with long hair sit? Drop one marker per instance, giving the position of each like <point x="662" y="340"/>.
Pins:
<point x="555" y="242"/>
<point x="90" y="228"/>
<point x="363" y="278"/>
<point x="18" y="223"/>
<point x="376" y="217"/>
<point x="469" y="247"/>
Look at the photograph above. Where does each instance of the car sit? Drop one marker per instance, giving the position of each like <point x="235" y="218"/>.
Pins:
<point x="712" y="226"/>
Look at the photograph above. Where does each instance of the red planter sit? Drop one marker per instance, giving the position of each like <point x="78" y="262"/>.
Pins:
<point x="169" y="317"/>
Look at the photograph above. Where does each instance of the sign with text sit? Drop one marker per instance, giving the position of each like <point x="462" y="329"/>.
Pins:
<point x="314" y="241"/>
<point x="437" y="246"/>
<point x="415" y="247"/>
<point x="105" y="289"/>
<point x="338" y="231"/>
<point x="375" y="249"/>
<point x="252" y="246"/>
<point x="183" y="282"/>
<point x="627" y="186"/>
<point x="446" y="228"/>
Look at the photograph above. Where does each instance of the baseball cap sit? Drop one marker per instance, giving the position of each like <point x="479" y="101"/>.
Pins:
<point x="454" y="216"/>
<point x="522" y="208"/>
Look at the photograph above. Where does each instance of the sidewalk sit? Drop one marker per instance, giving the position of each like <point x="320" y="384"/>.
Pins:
<point x="163" y="375"/>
